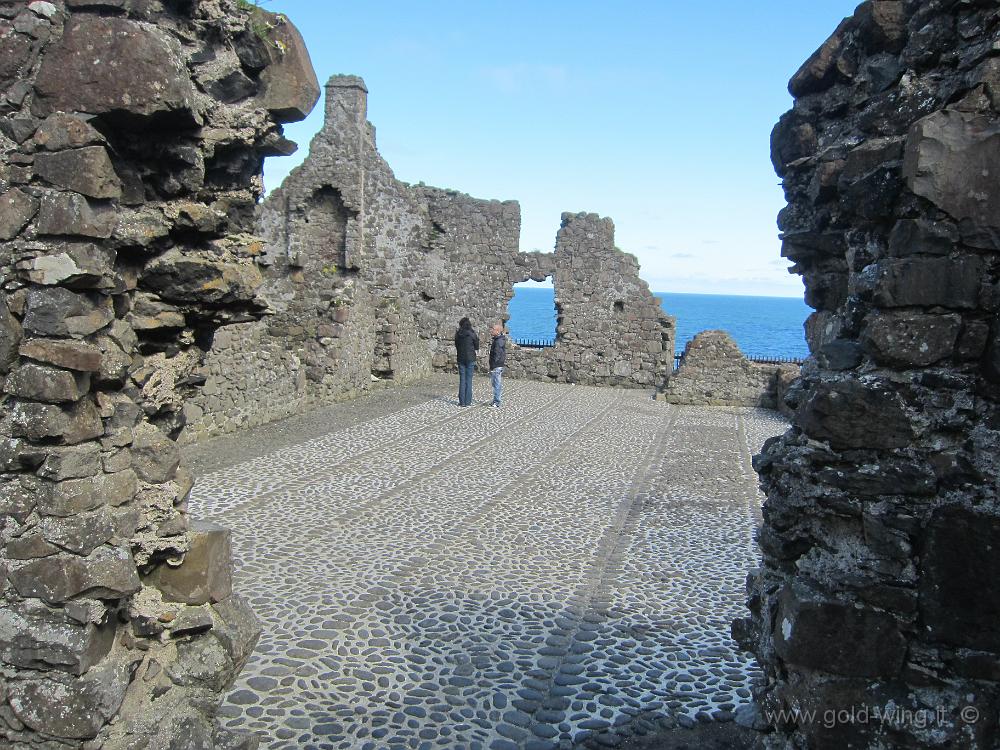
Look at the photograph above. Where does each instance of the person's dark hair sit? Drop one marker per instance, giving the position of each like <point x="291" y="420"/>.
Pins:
<point x="465" y="323"/>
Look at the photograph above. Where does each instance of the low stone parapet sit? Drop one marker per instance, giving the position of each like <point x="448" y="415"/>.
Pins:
<point x="714" y="372"/>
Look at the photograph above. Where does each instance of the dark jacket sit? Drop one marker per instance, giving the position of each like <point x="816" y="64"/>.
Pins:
<point x="466" y="344"/>
<point x="498" y="352"/>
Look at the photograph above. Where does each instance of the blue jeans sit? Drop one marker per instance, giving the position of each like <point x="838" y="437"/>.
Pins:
<point x="465" y="383"/>
<point x="495" y="376"/>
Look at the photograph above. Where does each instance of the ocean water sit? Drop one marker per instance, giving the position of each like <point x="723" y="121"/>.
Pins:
<point x="762" y="326"/>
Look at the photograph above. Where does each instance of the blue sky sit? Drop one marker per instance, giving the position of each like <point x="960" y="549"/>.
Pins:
<point x="656" y="114"/>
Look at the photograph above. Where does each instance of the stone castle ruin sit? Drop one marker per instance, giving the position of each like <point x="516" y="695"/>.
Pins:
<point x="133" y="134"/>
<point x="367" y="276"/>
<point x="881" y="533"/>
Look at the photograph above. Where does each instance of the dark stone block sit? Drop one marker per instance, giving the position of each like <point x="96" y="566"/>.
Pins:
<point x="150" y="78"/>
<point x="71" y="355"/>
<point x="61" y="131"/>
<point x="64" y="706"/>
<point x="837" y="637"/>
<point x="922" y="237"/>
<point x="49" y="384"/>
<point x="886" y="477"/>
<point x="70" y="424"/>
<point x="61" y="312"/>
<point x="959" y="568"/>
<point x="903" y="340"/>
<point x="17" y="208"/>
<point x="107" y="573"/>
<point x="155" y="457"/>
<point x="85" y="170"/>
<point x="205" y="575"/>
<point x="927" y="282"/>
<point x="73" y="214"/>
<point x="823" y="67"/>
<point x="51" y="642"/>
<point x="852" y="414"/>
<point x="15" y="51"/>
<point x="839" y="354"/>
<point x="952" y="159"/>
<point x="289" y="88"/>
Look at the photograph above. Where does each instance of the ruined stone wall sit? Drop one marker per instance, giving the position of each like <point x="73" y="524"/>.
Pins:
<point x="367" y="277"/>
<point x="610" y="329"/>
<point x="881" y="531"/>
<point x="714" y="372"/>
<point x="132" y="136"/>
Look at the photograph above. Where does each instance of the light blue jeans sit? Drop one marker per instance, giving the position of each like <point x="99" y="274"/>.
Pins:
<point x="495" y="376"/>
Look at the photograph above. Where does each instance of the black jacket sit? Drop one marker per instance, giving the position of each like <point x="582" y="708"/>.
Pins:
<point x="466" y="344"/>
<point x="498" y="352"/>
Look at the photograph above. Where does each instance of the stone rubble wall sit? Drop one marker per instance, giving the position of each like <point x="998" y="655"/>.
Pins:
<point x="368" y="277"/>
<point x="132" y="136"/>
<point x="881" y="531"/>
<point x="714" y="372"/>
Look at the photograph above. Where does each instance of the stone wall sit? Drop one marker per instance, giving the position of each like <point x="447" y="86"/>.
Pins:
<point x="714" y="372"/>
<point x="367" y="277"/>
<point x="881" y="532"/>
<point x="132" y="136"/>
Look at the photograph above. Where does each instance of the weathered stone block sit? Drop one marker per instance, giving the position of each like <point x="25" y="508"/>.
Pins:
<point x="71" y="462"/>
<point x="70" y="424"/>
<point x="60" y="312"/>
<point x="17" y="208"/>
<point x="155" y="457"/>
<point x="64" y="706"/>
<point x="80" y="534"/>
<point x="73" y="214"/>
<point x="911" y="339"/>
<point x="953" y="159"/>
<point x="148" y="79"/>
<point x="107" y="573"/>
<point x="926" y="282"/>
<point x="42" y="383"/>
<point x="29" y="547"/>
<point x="959" y="567"/>
<point x="85" y="170"/>
<point x="289" y="88"/>
<point x="61" y="131"/>
<point x="837" y="637"/>
<point x="77" y="265"/>
<point x="34" y="642"/>
<point x="922" y="237"/>
<point x="72" y="355"/>
<point x="184" y="277"/>
<point x="853" y="414"/>
<point x="10" y="336"/>
<point x="205" y="575"/>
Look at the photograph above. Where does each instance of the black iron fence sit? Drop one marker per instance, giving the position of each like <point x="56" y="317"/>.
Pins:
<point x="761" y="359"/>
<point x="535" y="343"/>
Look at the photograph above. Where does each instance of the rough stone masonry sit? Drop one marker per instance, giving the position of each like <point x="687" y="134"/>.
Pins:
<point x="875" y="613"/>
<point x="368" y="276"/>
<point x="132" y="134"/>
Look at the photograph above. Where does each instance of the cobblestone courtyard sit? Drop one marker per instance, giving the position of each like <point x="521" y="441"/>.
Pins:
<point x="557" y="573"/>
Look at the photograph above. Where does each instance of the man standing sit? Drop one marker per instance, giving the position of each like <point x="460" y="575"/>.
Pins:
<point x="498" y="358"/>
<point x="466" y="346"/>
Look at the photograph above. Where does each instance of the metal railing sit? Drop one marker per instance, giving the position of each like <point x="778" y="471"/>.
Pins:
<point x="758" y="358"/>
<point x="535" y="343"/>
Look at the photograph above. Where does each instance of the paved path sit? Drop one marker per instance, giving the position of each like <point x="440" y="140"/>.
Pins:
<point x="557" y="573"/>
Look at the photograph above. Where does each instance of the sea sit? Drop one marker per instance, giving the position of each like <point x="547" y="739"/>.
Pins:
<point x="768" y="327"/>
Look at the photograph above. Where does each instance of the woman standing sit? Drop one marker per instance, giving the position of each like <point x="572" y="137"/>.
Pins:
<point x="466" y="346"/>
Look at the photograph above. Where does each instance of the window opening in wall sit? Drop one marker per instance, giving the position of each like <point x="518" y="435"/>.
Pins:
<point x="619" y="306"/>
<point x="531" y="314"/>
